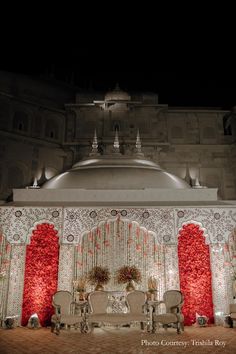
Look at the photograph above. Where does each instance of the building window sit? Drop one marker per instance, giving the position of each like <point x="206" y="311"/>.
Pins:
<point x="227" y="124"/>
<point x="20" y="121"/>
<point x="116" y="127"/>
<point x="51" y="129"/>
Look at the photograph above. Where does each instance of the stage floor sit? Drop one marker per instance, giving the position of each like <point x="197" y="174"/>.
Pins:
<point x="214" y="339"/>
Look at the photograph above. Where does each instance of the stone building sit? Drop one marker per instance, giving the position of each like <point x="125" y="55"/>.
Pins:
<point x="117" y="196"/>
<point x="46" y="126"/>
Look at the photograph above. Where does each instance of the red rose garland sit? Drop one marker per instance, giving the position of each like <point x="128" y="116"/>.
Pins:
<point x="195" y="274"/>
<point x="41" y="272"/>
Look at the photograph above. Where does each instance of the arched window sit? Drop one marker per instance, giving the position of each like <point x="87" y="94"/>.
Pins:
<point x="20" y="121"/>
<point x="116" y="127"/>
<point x="51" y="129"/>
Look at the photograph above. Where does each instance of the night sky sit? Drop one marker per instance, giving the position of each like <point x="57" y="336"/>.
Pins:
<point x="98" y="69"/>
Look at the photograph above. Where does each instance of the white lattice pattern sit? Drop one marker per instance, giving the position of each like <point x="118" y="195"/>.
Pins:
<point x="117" y="243"/>
<point x="219" y="282"/>
<point x="66" y="267"/>
<point x="77" y="221"/>
<point x="18" y="223"/>
<point x="5" y="254"/>
<point x="171" y="275"/>
<point x="16" y="281"/>
<point x="217" y="222"/>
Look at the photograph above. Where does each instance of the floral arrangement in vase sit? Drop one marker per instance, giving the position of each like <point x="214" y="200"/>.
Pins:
<point x="80" y="283"/>
<point x="128" y="274"/>
<point x="99" y="276"/>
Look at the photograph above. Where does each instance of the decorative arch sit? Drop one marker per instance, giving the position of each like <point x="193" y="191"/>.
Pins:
<point x="114" y="243"/>
<point x="79" y="220"/>
<point x="37" y="224"/>
<point x="41" y="274"/>
<point x="20" y="222"/>
<point x="195" y="273"/>
<point x="197" y="223"/>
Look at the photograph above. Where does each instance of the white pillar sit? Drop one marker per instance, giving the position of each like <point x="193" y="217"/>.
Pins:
<point x="66" y="267"/>
<point x="16" y="281"/>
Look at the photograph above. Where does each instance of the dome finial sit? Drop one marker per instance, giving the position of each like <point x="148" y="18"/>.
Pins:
<point x="117" y="87"/>
<point x="187" y="177"/>
<point x="138" y="145"/>
<point x="94" y="145"/>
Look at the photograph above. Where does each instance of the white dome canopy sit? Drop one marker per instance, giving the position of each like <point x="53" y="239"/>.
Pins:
<point x="115" y="172"/>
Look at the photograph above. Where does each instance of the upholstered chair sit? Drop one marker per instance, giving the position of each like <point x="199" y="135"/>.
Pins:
<point x="98" y="303"/>
<point x="64" y="312"/>
<point x="173" y="301"/>
<point x="136" y="301"/>
<point x="232" y="312"/>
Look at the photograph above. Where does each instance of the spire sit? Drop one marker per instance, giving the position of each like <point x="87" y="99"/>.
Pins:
<point x="116" y="141"/>
<point x="187" y="177"/>
<point x="116" y="145"/>
<point x="138" y="145"/>
<point x="34" y="185"/>
<point x="117" y="87"/>
<point x="94" y="145"/>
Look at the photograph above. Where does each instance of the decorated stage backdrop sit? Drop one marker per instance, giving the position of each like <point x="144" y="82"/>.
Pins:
<point x="146" y="237"/>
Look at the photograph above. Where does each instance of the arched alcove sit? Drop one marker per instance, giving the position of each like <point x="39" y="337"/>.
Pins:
<point x="195" y="273"/>
<point x="41" y="274"/>
<point x="115" y="243"/>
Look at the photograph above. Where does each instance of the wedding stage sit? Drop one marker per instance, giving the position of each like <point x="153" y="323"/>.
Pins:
<point x="101" y="212"/>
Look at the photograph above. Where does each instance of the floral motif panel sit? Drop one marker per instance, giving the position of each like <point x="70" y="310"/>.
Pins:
<point x="5" y="255"/>
<point x="195" y="274"/>
<point x="17" y="223"/>
<point x="66" y="267"/>
<point x="170" y="269"/>
<point x="16" y="281"/>
<point x="217" y="222"/>
<point x="41" y="273"/>
<point x="220" y="279"/>
<point x="77" y="221"/>
<point x="117" y="243"/>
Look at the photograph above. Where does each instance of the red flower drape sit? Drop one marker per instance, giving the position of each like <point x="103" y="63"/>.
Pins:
<point x="41" y="273"/>
<point x="195" y="274"/>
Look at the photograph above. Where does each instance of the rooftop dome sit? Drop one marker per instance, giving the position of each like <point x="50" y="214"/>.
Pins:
<point x="117" y="95"/>
<point x="115" y="172"/>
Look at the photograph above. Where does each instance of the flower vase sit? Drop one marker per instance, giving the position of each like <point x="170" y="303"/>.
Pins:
<point x="99" y="287"/>
<point x="151" y="295"/>
<point x="81" y="295"/>
<point x="130" y="286"/>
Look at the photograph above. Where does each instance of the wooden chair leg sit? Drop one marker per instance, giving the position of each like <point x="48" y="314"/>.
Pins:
<point x="58" y="325"/>
<point x="53" y="325"/>
<point x="154" y="327"/>
<point x="178" y="327"/>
